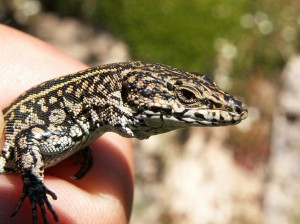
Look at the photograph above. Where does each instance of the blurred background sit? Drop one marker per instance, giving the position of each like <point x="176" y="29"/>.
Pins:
<point x="249" y="173"/>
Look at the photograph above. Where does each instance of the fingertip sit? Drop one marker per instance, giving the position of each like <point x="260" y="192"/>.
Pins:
<point x="124" y="145"/>
<point x="21" y="70"/>
<point x="2" y="137"/>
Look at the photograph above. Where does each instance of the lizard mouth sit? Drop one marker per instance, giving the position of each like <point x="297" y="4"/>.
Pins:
<point x="188" y="118"/>
<point x="176" y="115"/>
<point x="207" y="118"/>
<point x="219" y="117"/>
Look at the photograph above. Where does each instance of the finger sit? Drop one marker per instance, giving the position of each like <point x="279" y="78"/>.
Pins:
<point x="2" y="137"/>
<point x="25" y="62"/>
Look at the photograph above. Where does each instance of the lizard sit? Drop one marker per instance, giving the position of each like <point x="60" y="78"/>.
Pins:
<point x="61" y="117"/>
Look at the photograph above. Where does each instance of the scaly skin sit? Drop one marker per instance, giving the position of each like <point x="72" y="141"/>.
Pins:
<point x="60" y="117"/>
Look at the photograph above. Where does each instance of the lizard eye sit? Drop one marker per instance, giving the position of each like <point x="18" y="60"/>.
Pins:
<point x="186" y="95"/>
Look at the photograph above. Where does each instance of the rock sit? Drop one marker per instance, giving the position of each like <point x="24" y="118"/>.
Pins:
<point x="282" y="196"/>
<point x="80" y="40"/>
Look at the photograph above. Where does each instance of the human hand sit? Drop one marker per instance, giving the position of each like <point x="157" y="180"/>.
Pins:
<point x="105" y="194"/>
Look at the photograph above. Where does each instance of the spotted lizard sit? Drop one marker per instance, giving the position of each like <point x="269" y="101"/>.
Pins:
<point x="61" y="117"/>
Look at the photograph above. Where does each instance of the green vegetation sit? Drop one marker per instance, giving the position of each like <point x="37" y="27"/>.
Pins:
<point x="217" y="37"/>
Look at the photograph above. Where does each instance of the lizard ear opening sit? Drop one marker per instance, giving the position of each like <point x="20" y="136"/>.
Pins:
<point x="124" y="94"/>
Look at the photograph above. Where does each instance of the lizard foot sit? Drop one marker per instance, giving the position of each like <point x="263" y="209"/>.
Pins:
<point x="86" y="165"/>
<point x="37" y="192"/>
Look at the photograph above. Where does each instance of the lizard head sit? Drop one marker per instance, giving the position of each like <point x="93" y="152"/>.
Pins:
<point x="162" y="99"/>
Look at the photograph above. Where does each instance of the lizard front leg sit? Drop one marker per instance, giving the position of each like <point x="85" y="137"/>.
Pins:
<point x="30" y="165"/>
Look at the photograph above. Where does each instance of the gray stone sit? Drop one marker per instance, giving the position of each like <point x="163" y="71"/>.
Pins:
<point x="282" y="197"/>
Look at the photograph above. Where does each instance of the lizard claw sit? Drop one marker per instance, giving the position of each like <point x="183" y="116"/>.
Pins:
<point x="37" y="193"/>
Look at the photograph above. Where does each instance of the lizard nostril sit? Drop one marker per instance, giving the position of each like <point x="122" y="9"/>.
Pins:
<point x="238" y="110"/>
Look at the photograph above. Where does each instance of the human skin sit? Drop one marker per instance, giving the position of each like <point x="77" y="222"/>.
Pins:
<point x="105" y="194"/>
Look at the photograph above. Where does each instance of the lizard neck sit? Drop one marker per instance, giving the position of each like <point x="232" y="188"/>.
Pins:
<point x="96" y="100"/>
